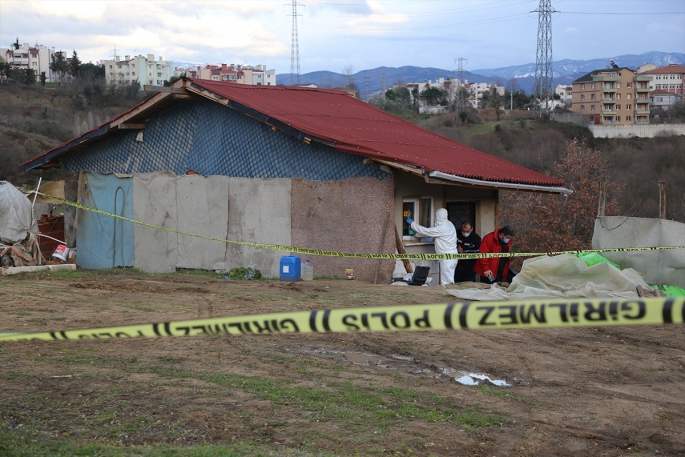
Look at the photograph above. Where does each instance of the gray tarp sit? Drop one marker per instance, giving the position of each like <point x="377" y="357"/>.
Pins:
<point x="16" y="215"/>
<point x="659" y="267"/>
<point x="245" y="209"/>
<point x="562" y="276"/>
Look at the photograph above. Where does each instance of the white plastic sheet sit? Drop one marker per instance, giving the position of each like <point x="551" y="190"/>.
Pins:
<point x="16" y="215"/>
<point x="562" y="276"/>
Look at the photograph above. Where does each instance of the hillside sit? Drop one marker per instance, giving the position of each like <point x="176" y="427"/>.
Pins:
<point x="565" y="71"/>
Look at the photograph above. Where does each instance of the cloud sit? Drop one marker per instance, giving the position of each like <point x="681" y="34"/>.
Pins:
<point x="572" y="30"/>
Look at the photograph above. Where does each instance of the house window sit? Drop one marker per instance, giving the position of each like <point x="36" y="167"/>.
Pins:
<point x="629" y="84"/>
<point x="618" y="85"/>
<point x="618" y="107"/>
<point x="592" y="97"/>
<point x="582" y="107"/>
<point x="582" y="86"/>
<point x="593" y="85"/>
<point x="618" y="96"/>
<point x="592" y="108"/>
<point x="628" y="96"/>
<point x="628" y="108"/>
<point x="421" y="210"/>
<point x="618" y="118"/>
<point x="629" y="118"/>
<point x="582" y="97"/>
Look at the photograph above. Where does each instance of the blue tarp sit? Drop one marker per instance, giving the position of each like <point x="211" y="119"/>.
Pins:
<point x="103" y="241"/>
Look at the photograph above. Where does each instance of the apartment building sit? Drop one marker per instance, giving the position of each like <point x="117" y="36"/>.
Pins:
<point x="565" y="93"/>
<point x="241" y="74"/>
<point x="663" y="98"/>
<point x="144" y="69"/>
<point x="37" y="58"/>
<point x="669" y="78"/>
<point x="615" y="96"/>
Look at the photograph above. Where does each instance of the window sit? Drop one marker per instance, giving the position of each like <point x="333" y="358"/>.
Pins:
<point x="628" y="96"/>
<point x="582" y="97"/>
<point x="618" y="96"/>
<point x="421" y="210"/>
<point x="629" y="84"/>
<point x="593" y="85"/>
<point x="629" y="118"/>
<point x="628" y="107"/>
<point x="618" y="118"/>
<point x="582" y="86"/>
<point x="618" y="85"/>
<point x="582" y="107"/>
<point x="618" y="107"/>
<point x="592" y="97"/>
<point x="592" y="108"/>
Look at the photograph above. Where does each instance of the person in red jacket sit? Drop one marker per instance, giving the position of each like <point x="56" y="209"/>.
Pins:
<point x="495" y="269"/>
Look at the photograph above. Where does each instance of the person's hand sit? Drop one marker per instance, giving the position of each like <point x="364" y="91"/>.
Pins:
<point x="488" y="274"/>
<point x="409" y="220"/>
<point x="460" y="249"/>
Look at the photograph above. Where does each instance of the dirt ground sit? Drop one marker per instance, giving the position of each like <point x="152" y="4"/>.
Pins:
<point x="591" y="391"/>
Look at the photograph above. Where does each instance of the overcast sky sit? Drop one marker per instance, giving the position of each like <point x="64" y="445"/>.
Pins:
<point x="334" y="34"/>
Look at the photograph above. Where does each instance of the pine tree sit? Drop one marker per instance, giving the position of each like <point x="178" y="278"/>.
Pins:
<point x="74" y="65"/>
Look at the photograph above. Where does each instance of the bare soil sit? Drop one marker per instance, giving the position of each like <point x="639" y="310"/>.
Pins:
<point x="590" y="391"/>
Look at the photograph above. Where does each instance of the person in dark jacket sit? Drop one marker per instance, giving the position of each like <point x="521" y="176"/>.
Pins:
<point x="467" y="241"/>
<point x="495" y="269"/>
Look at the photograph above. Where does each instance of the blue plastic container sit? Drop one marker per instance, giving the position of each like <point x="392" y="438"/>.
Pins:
<point x="291" y="268"/>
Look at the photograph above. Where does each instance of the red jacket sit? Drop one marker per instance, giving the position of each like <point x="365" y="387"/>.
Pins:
<point x="490" y="243"/>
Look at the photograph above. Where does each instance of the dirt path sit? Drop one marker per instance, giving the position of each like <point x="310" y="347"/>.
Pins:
<point x="596" y="392"/>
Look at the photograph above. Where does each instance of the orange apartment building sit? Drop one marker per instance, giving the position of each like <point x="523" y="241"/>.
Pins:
<point x="615" y="96"/>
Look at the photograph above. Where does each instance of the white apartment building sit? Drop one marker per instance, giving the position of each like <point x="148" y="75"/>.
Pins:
<point x="144" y="69"/>
<point x="670" y="78"/>
<point x="37" y="57"/>
<point x="565" y="93"/>
<point x="256" y="75"/>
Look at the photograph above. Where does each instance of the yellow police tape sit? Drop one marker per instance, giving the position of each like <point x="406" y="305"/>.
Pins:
<point x="279" y="247"/>
<point x="469" y="315"/>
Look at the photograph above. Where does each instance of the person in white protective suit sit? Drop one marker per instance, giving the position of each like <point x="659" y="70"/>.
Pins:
<point x="445" y="238"/>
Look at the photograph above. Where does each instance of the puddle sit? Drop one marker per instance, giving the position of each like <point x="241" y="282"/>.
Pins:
<point x="363" y="359"/>
<point x="411" y="365"/>
<point x="473" y="379"/>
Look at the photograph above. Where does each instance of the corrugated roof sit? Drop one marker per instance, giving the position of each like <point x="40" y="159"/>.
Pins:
<point x="355" y="126"/>
<point x="667" y="70"/>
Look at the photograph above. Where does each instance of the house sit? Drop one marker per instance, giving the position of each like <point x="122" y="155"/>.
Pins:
<point x="614" y="96"/>
<point x="144" y="69"/>
<point x="565" y="93"/>
<point x="37" y="58"/>
<point x="293" y="166"/>
<point x="669" y="78"/>
<point x="241" y="74"/>
<point x="663" y="99"/>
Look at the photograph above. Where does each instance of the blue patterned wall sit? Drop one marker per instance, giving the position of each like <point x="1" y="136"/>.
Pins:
<point x="211" y="139"/>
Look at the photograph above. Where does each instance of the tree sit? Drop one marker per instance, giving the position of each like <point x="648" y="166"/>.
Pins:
<point x="16" y="44"/>
<point x="59" y="64"/>
<point x="90" y="72"/>
<point x="434" y="96"/>
<point x="42" y="78"/>
<point x="74" y="65"/>
<point x="496" y="102"/>
<point x="400" y="95"/>
<point x="546" y="223"/>
<point x="485" y="100"/>
<point x="172" y="80"/>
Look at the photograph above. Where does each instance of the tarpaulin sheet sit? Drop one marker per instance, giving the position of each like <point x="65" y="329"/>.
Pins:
<point x="658" y="267"/>
<point x="245" y="209"/>
<point x="16" y="215"/>
<point x="103" y="241"/>
<point x="562" y="276"/>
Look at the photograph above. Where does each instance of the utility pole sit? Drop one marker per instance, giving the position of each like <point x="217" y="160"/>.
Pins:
<point x="543" y="61"/>
<point x="367" y="81"/>
<point x="383" y="76"/>
<point x="294" y="48"/>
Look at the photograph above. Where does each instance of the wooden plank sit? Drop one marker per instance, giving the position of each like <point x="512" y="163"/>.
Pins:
<point x="400" y="249"/>
<point x="662" y="200"/>
<point x="142" y="107"/>
<point x="132" y="126"/>
<point x="166" y="90"/>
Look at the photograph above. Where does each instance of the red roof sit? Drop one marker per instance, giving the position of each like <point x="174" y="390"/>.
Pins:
<point x="667" y="70"/>
<point x="357" y="127"/>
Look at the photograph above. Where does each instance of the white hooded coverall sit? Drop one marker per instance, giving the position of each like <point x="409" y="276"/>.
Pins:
<point x="445" y="239"/>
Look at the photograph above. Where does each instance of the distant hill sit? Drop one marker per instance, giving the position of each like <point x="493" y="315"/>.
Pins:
<point x="565" y="71"/>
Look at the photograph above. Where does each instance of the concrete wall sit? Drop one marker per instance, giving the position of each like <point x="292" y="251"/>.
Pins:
<point x="642" y="131"/>
<point x="348" y="216"/>
<point x="573" y="118"/>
